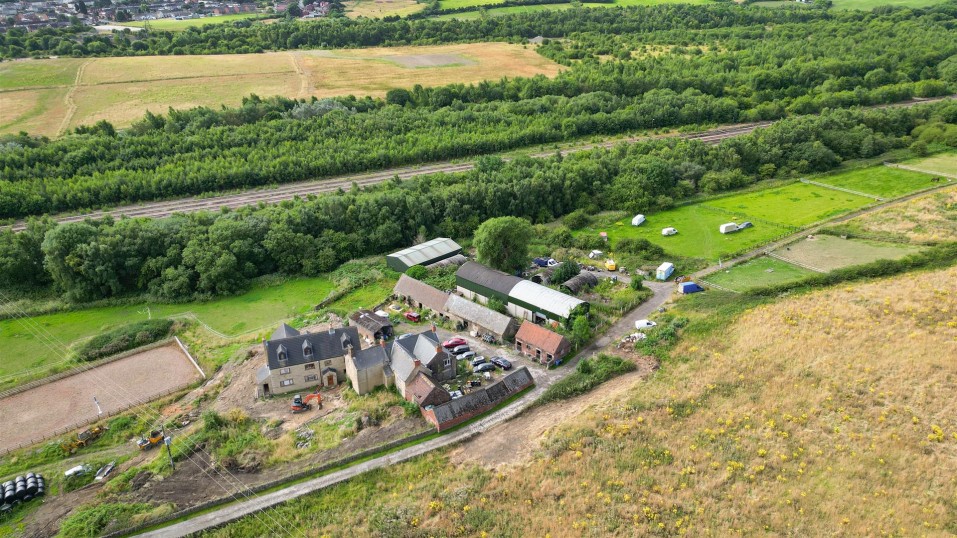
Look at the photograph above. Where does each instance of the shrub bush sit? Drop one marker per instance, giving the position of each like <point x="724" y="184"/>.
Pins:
<point x="123" y="338"/>
<point x="589" y="374"/>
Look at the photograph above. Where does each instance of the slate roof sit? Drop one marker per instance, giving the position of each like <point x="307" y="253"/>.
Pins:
<point x="428" y="252"/>
<point x="284" y="331"/>
<point x="470" y="403"/>
<point x="422" y="388"/>
<point x="421" y="292"/>
<point x="262" y="373"/>
<point x="478" y="314"/>
<point x="540" y="337"/>
<point x="487" y="277"/>
<point x="404" y="351"/>
<point x="325" y="345"/>
<point x="369" y="358"/>
<point x="544" y="298"/>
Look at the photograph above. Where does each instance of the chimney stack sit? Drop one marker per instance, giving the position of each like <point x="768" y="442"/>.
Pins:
<point x="417" y="363"/>
<point x="433" y="326"/>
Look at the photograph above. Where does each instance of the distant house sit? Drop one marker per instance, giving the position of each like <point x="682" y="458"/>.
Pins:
<point x="372" y="327"/>
<point x="426" y="253"/>
<point x="420" y="295"/>
<point x="479" y="319"/>
<point x="295" y="360"/>
<point x="541" y="344"/>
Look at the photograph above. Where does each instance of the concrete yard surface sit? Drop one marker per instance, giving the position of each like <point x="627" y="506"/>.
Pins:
<point x="43" y="411"/>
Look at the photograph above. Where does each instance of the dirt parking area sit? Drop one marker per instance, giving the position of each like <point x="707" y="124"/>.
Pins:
<point x="41" y="412"/>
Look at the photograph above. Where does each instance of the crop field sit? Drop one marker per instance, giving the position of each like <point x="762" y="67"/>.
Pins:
<point x="932" y="217"/>
<point x="376" y="9"/>
<point x="882" y="181"/>
<point x="829" y="413"/>
<point x="173" y="25"/>
<point x="828" y="252"/>
<point x="797" y="204"/>
<point x="942" y="163"/>
<point x="38" y="93"/>
<point x="116" y="386"/>
<point x="260" y="307"/>
<point x="758" y="272"/>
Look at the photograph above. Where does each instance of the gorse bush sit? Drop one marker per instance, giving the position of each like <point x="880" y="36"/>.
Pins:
<point x="123" y="338"/>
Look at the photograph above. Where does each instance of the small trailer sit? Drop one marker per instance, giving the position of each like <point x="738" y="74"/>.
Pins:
<point x="728" y="228"/>
<point x="664" y="271"/>
<point x="689" y="287"/>
<point x="638" y="220"/>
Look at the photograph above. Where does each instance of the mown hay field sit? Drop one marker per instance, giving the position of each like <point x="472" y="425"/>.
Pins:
<point x="377" y="9"/>
<point x="932" y="217"/>
<point x="828" y="252"/>
<point x="173" y="25"/>
<point x="121" y="90"/>
<point x="756" y="273"/>
<point x="882" y="181"/>
<point x="827" y="414"/>
<point x="942" y="163"/>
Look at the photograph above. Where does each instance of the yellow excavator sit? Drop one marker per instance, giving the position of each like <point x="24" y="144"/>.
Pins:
<point x="154" y="438"/>
<point x="83" y="438"/>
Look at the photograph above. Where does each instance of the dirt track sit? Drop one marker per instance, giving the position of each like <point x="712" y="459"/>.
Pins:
<point x="40" y="412"/>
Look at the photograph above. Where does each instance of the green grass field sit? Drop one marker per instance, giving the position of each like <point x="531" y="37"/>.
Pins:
<point x="260" y="307"/>
<point x="797" y="204"/>
<point x="698" y="235"/>
<point x="942" y="163"/>
<point x="173" y="25"/>
<point x="758" y="272"/>
<point x="828" y="252"/>
<point x="493" y="11"/>
<point x="19" y="74"/>
<point x="881" y="181"/>
<point x="868" y="5"/>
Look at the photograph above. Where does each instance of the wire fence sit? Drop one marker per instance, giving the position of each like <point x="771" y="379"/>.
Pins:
<point x="81" y="423"/>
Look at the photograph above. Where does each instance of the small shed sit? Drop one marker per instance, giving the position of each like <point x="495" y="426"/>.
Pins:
<point x="728" y="228"/>
<point x="637" y="220"/>
<point x="689" y="287"/>
<point x="664" y="271"/>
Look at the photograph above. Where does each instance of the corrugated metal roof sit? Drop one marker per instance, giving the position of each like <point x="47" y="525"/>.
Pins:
<point x="545" y="298"/>
<point x="487" y="277"/>
<point x="478" y="314"/>
<point x="427" y="252"/>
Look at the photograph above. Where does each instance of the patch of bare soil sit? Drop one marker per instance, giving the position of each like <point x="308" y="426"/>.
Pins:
<point x="516" y="441"/>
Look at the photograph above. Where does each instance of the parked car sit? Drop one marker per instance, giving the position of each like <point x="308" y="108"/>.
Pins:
<point x="484" y="367"/>
<point x="502" y="363"/>
<point x="466" y="356"/>
<point x="745" y="224"/>
<point x="454" y="342"/>
<point x="77" y="471"/>
<point x="413" y="316"/>
<point x="552" y="262"/>
<point x="541" y="262"/>
<point x="461" y="348"/>
<point x="395" y="308"/>
<point x="645" y="324"/>
<point x="477" y="360"/>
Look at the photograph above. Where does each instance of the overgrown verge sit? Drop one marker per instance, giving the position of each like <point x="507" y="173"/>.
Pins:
<point x="937" y="257"/>
<point x="124" y="338"/>
<point x="589" y="373"/>
<point x="94" y="520"/>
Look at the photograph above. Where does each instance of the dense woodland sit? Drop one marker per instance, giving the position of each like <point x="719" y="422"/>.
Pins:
<point x="668" y="66"/>
<point x="205" y="254"/>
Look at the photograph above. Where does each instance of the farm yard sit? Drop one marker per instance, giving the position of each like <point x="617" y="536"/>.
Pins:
<point x="47" y="96"/>
<point x="828" y="252"/>
<point x="41" y="411"/>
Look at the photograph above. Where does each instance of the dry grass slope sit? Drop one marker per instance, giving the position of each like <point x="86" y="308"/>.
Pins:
<point x="826" y="414"/>
<point x="929" y="218"/>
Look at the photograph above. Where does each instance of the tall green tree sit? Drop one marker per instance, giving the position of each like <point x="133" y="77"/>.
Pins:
<point x="502" y="243"/>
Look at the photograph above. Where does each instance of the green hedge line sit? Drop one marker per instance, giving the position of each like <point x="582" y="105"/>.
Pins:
<point x="938" y="257"/>
<point x="123" y="338"/>
<point x="589" y="374"/>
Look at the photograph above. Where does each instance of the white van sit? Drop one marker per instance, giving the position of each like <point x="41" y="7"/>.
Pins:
<point x="669" y="231"/>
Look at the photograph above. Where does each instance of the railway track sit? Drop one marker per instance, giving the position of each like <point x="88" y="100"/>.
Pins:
<point x="276" y="194"/>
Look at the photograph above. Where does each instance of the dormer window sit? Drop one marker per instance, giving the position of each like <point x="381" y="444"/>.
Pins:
<point x="307" y="349"/>
<point x="282" y="355"/>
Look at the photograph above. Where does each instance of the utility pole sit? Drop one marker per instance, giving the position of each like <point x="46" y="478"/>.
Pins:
<point x="168" y="441"/>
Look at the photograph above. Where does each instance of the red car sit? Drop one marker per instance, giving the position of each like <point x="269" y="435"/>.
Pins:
<point x="454" y="342"/>
<point x="413" y="316"/>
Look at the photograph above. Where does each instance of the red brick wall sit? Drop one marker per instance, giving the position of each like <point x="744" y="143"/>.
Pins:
<point x="429" y="415"/>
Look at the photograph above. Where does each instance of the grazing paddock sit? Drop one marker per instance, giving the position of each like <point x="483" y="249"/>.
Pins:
<point x="121" y="90"/>
<point x="797" y="204"/>
<point x="882" y="181"/>
<point x="932" y="217"/>
<point x="828" y="252"/>
<point x="173" y="25"/>
<point x="44" y="411"/>
<point x="942" y="163"/>
<point x="758" y="272"/>
<point x="698" y="235"/>
<point x="377" y="9"/>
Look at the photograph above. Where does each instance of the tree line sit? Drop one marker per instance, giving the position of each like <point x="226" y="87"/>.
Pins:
<point x="206" y="254"/>
<point x="722" y="74"/>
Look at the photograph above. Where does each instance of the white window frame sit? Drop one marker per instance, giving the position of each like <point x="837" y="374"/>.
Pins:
<point x="286" y="382"/>
<point x="284" y="371"/>
<point x="311" y="378"/>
